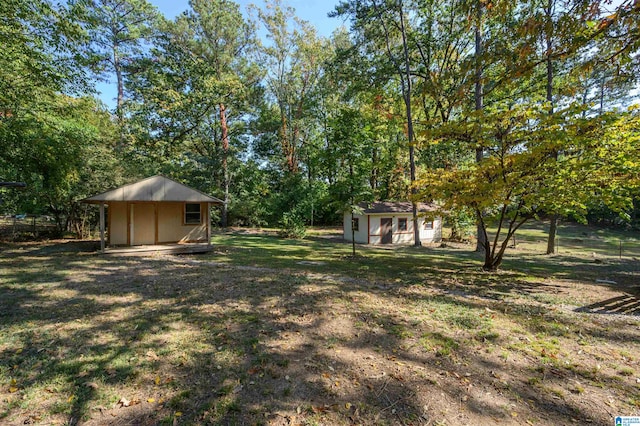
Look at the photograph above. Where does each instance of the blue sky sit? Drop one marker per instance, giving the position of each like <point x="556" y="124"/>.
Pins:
<point x="314" y="11"/>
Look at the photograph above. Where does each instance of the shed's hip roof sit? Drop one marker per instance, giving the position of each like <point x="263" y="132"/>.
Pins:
<point x="394" y="207"/>
<point x="155" y="188"/>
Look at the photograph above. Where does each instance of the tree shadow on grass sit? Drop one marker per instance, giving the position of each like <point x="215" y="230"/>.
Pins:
<point x="626" y="304"/>
<point x="209" y="336"/>
<point x="196" y="343"/>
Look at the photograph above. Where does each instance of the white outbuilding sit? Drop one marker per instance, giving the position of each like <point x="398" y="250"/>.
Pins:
<point x="391" y="223"/>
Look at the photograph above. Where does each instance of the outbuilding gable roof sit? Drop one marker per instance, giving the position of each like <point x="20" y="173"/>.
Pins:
<point x="394" y="207"/>
<point x="154" y="188"/>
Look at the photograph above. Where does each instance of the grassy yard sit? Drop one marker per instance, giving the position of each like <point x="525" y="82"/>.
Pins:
<point x="270" y="331"/>
<point x="578" y="240"/>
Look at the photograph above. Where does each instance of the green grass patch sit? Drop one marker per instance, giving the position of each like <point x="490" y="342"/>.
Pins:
<point x="264" y="329"/>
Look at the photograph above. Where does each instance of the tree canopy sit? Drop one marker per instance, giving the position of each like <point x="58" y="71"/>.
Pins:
<point x="499" y="111"/>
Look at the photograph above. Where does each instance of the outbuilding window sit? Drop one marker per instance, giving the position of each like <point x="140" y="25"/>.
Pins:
<point x="402" y="224"/>
<point x="428" y="225"/>
<point x="192" y="214"/>
<point x="355" y="224"/>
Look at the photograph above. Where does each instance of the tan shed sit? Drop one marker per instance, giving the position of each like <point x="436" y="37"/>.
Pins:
<point x="156" y="210"/>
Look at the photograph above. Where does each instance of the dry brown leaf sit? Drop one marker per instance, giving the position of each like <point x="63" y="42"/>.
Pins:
<point x="92" y="385"/>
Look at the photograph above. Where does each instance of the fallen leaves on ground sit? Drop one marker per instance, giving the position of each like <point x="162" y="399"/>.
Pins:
<point x="124" y="402"/>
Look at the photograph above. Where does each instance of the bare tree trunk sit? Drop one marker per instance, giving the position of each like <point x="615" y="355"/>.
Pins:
<point x="373" y="179"/>
<point x="553" y="226"/>
<point x="225" y="167"/>
<point x="287" y="148"/>
<point x="353" y="232"/>
<point x="478" y="95"/>
<point x="120" y="83"/>
<point x="117" y="66"/>
<point x="404" y="71"/>
<point x="553" y="231"/>
<point x="410" y="135"/>
<point x="601" y="95"/>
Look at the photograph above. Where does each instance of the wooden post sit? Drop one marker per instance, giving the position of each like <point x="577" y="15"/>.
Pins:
<point x="208" y="224"/>
<point x="620" y="249"/>
<point x="102" y="227"/>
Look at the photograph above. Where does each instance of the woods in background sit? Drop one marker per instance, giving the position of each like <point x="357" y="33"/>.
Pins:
<point x="499" y="111"/>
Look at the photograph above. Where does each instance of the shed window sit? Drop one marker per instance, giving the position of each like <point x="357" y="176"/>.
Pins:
<point x="355" y="224"/>
<point x="192" y="215"/>
<point x="428" y="225"/>
<point x="402" y="224"/>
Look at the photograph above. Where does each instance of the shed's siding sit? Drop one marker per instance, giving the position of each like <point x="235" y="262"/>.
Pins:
<point x="117" y="223"/>
<point x="361" y="233"/>
<point x="171" y="227"/>
<point x="430" y="235"/>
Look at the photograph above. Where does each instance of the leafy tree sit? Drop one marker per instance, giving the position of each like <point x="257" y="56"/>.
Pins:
<point x="387" y="25"/>
<point x="48" y="138"/>
<point x="38" y="60"/>
<point x="293" y="60"/>
<point x="196" y="78"/>
<point x="118" y="31"/>
<point x="524" y="176"/>
<point x="63" y="154"/>
<point x="225" y="41"/>
<point x="349" y="128"/>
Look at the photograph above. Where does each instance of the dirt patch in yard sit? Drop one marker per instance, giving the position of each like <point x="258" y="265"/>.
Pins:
<point x="192" y="340"/>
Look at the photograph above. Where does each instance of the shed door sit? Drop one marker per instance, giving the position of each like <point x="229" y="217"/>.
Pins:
<point x="386" y="226"/>
<point x="143" y="224"/>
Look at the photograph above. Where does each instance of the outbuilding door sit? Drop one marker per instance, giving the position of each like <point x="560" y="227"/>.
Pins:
<point x="386" y="230"/>
<point x="143" y="224"/>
